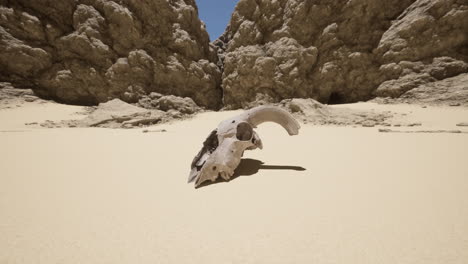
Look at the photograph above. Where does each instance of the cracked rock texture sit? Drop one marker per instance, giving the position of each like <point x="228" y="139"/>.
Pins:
<point x="90" y="51"/>
<point x="341" y="51"/>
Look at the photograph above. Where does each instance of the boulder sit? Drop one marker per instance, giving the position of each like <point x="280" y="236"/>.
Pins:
<point x="450" y="91"/>
<point x="184" y="105"/>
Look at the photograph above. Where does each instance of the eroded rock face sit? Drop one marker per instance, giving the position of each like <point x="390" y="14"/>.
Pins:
<point x="277" y="68"/>
<point x="90" y="51"/>
<point x="340" y="51"/>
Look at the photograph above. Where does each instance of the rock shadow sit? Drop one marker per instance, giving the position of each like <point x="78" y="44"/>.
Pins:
<point x="249" y="167"/>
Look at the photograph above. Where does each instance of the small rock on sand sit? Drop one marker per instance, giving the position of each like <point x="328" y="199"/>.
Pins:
<point x="368" y="124"/>
<point x="414" y="124"/>
<point x="157" y="130"/>
<point x="30" y="98"/>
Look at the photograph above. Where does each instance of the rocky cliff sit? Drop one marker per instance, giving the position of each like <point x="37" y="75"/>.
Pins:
<point x="341" y="51"/>
<point x="89" y="51"/>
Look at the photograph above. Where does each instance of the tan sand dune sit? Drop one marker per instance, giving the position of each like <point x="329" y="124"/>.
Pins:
<point x="94" y="195"/>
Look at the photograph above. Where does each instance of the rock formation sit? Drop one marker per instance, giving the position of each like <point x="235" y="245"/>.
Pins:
<point x="340" y="51"/>
<point x="312" y="112"/>
<point x="14" y="97"/>
<point x="90" y="51"/>
<point x="449" y="91"/>
<point x="114" y="113"/>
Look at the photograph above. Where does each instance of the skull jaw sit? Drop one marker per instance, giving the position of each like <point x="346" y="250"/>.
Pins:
<point x="223" y="161"/>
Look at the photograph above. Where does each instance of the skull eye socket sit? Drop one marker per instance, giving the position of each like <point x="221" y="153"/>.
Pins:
<point x="244" y="131"/>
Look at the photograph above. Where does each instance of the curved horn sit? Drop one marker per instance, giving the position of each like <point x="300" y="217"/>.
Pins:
<point x="261" y="114"/>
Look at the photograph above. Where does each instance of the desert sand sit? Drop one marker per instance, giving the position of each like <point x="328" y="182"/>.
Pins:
<point x="329" y="195"/>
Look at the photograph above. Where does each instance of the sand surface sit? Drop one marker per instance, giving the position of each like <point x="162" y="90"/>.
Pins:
<point x="328" y="195"/>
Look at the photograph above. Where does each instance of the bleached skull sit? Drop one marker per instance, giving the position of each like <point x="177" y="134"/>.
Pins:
<point x="223" y="149"/>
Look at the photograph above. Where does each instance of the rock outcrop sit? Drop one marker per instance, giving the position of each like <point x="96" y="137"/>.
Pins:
<point x="169" y="103"/>
<point x="14" y="97"/>
<point x="310" y="111"/>
<point x="116" y="113"/>
<point x="340" y="51"/>
<point x="90" y="51"/>
<point x="449" y="91"/>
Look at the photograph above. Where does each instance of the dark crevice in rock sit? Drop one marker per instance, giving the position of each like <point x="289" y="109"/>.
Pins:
<point x="336" y="98"/>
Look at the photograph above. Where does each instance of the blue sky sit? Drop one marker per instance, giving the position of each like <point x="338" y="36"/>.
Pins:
<point x="216" y="15"/>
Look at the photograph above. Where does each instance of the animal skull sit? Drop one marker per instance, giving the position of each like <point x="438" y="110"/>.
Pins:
<point x="223" y="149"/>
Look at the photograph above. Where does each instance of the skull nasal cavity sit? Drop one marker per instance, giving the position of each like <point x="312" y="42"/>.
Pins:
<point x="244" y="131"/>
